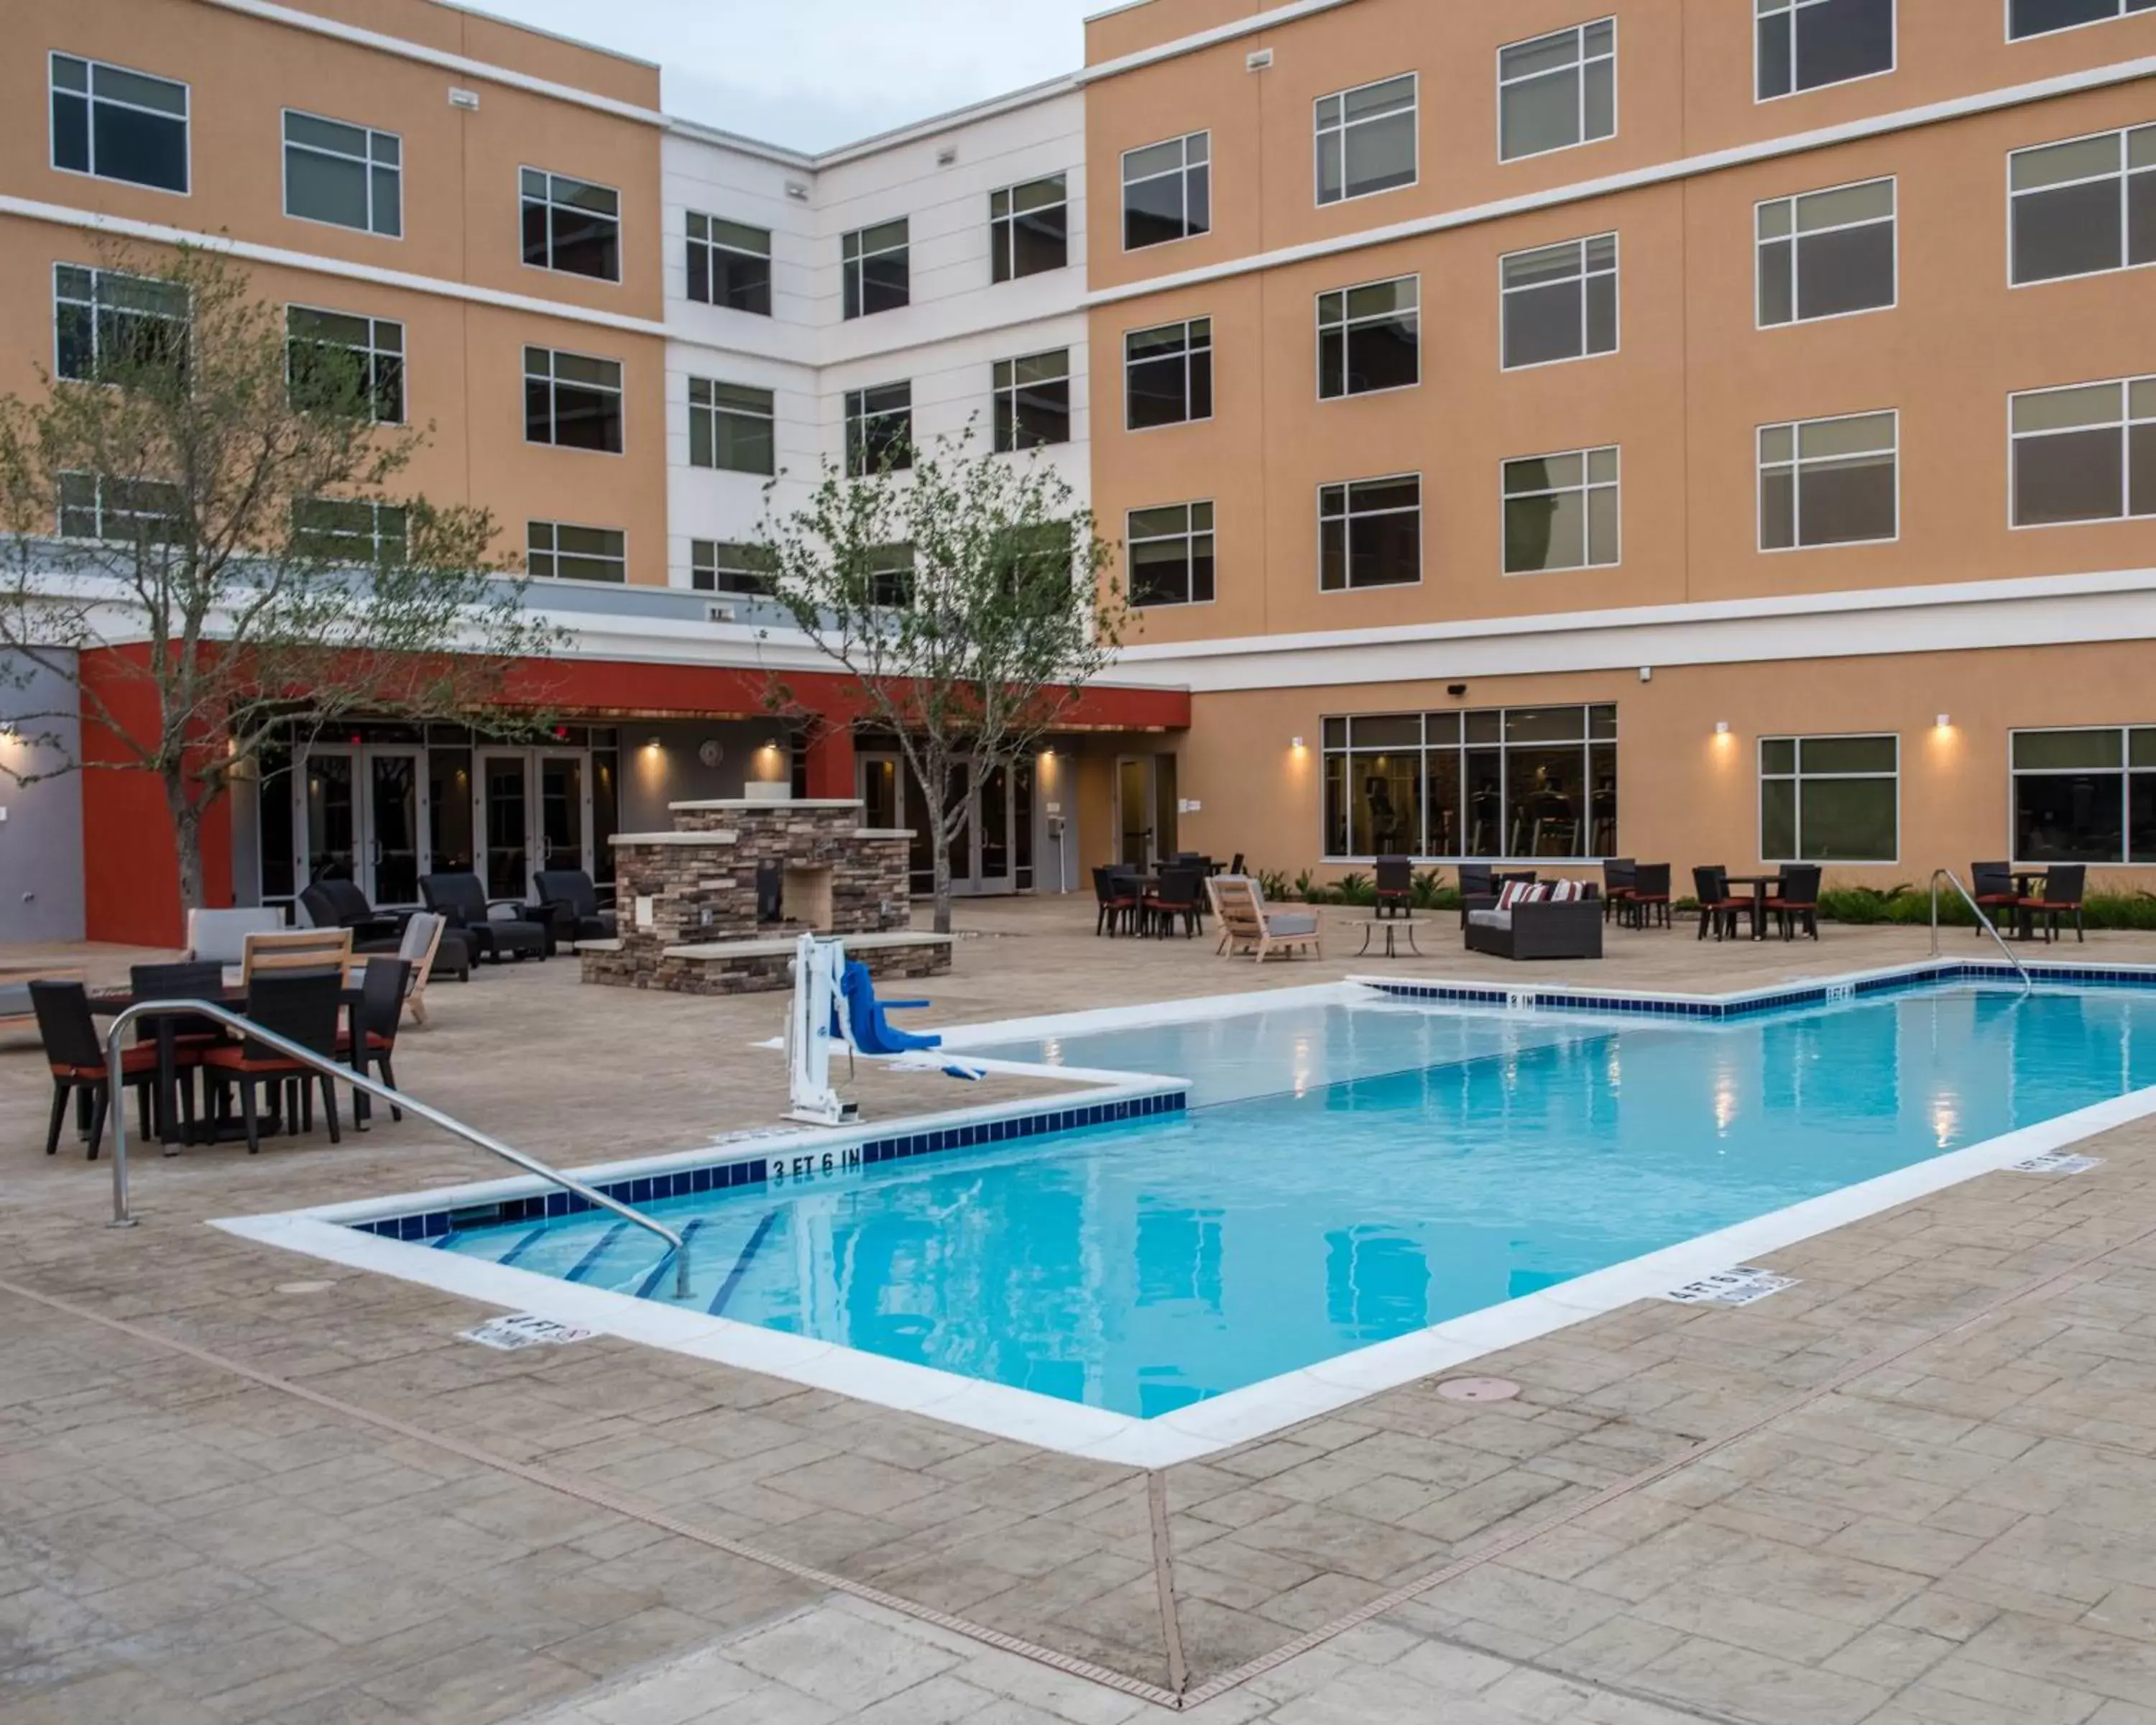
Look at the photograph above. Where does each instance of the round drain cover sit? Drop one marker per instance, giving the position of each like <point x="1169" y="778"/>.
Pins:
<point x="1478" y="1390"/>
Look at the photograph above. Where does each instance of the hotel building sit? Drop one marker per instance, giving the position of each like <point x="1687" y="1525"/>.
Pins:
<point x="1545" y="429"/>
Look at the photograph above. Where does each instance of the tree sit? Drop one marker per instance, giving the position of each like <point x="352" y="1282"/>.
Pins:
<point x="207" y="489"/>
<point x="962" y="594"/>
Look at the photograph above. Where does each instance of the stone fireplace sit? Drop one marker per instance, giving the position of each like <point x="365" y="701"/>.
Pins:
<point x="692" y="903"/>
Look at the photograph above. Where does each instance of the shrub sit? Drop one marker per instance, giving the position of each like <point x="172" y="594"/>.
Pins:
<point x="1354" y="888"/>
<point x="1429" y="885"/>
<point x="1306" y="888"/>
<point x="1273" y="884"/>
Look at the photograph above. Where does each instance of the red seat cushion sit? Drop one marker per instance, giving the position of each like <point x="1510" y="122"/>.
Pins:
<point x="233" y="1058"/>
<point x="140" y="1061"/>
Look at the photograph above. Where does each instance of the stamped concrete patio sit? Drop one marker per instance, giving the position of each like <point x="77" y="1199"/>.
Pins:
<point x="1919" y="1488"/>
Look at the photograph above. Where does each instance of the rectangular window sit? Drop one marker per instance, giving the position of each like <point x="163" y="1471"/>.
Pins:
<point x="117" y="125"/>
<point x="560" y="551"/>
<point x="571" y="399"/>
<point x="107" y="326"/>
<point x="1168" y="191"/>
<point x="716" y="566"/>
<point x="119" y="512"/>
<point x="348" y="175"/>
<point x="1493" y="781"/>
<point x="1557" y="90"/>
<point x="879" y="428"/>
<point x="1829" y="482"/>
<point x="1028" y="229"/>
<point x="2084" y="796"/>
<point x="1033" y="401"/>
<point x="1369" y="338"/>
<point x="2039" y="17"/>
<point x="1171" y="555"/>
<point x="1804" y="45"/>
<point x="571" y="225"/>
<point x="1369" y="533"/>
<point x="2083" y="207"/>
<point x="1830" y="799"/>
<point x="1167" y="374"/>
<point x="731" y="427"/>
<point x="339" y="359"/>
<point x="1560" y="301"/>
<point x="729" y="265"/>
<point x="890" y="575"/>
<point x="878" y="268"/>
<point x="2087" y="453"/>
<point x="1366" y="139"/>
<point x="1560" y="511"/>
<point x="344" y="529"/>
<point x="1826" y="254"/>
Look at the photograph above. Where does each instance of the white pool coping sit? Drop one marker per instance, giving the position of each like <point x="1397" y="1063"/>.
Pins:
<point x="1238" y="1416"/>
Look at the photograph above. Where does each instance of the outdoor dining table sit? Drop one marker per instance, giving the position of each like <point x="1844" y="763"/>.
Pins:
<point x="111" y="1003"/>
<point x="1761" y="885"/>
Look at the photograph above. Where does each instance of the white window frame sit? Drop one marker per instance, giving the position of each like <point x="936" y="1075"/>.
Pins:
<point x="1183" y="173"/>
<point x="1793" y="199"/>
<point x="1587" y="273"/>
<point x="1347" y="324"/>
<point x="855" y="269"/>
<point x="716" y="567"/>
<point x="2125" y="771"/>
<point x="850" y="418"/>
<point x="1188" y="350"/>
<point x="620" y="228"/>
<point x="367" y="163"/>
<point x="104" y="511"/>
<point x="1792" y="8"/>
<point x="1014" y="389"/>
<point x="1319" y="131"/>
<point x="619" y="391"/>
<point x="1585" y="489"/>
<point x="689" y="241"/>
<point x="557" y="553"/>
<point x="1002" y="230"/>
<point x="1797" y="776"/>
<point x="1796" y="464"/>
<point x="2124" y="175"/>
<point x="52" y="138"/>
<point x="2120" y="17"/>
<point x="1349" y="517"/>
<point x="713" y="410"/>
<point x="374" y="352"/>
<point x="2123" y="426"/>
<point x="1578" y="33"/>
<point x="1189" y="536"/>
<point x="371" y="542"/>
<point x="98" y="274"/>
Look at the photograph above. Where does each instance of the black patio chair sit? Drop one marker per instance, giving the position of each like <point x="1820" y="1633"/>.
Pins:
<point x="1991" y="884"/>
<point x="1176" y="896"/>
<point x="1710" y="885"/>
<point x="1796" y="905"/>
<point x="340" y="904"/>
<point x="379" y="1010"/>
<point x="76" y="1054"/>
<point x="461" y="899"/>
<point x="571" y="902"/>
<point x="1618" y="873"/>
<point x="1647" y="904"/>
<point x="1395" y="886"/>
<point x="302" y="1007"/>
<point x="1116" y="899"/>
<point x="2060" y="895"/>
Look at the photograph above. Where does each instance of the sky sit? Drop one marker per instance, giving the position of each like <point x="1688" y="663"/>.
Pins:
<point x="813" y="73"/>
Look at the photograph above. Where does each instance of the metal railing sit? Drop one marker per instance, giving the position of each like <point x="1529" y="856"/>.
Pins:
<point x="2028" y="983"/>
<point x="330" y="1068"/>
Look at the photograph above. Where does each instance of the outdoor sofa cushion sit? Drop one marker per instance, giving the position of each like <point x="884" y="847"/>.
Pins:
<point x="1281" y="923"/>
<point x="1489" y="919"/>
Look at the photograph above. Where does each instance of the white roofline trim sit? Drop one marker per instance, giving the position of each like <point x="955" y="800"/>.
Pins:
<point x="1654" y="174"/>
<point x="1203" y="39"/>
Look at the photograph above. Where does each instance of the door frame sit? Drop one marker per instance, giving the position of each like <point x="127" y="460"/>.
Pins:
<point x="1150" y="797"/>
<point x="423" y="797"/>
<point x="536" y="850"/>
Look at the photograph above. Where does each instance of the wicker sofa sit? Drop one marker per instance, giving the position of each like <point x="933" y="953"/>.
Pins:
<point x="1540" y="928"/>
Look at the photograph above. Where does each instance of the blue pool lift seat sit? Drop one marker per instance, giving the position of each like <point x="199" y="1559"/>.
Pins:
<point x="873" y="1033"/>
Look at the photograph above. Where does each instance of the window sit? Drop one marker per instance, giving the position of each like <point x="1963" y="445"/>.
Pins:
<point x="1560" y="511"/>
<point x="571" y="399"/>
<point x="1028" y="229"/>
<point x="1168" y="191"/>
<point x="1171" y="555"/>
<point x="2085" y="454"/>
<point x="730" y="427"/>
<point x="561" y="552"/>
<point x="2084" y="796"/>
<point x="1369" y="533"/>
<point x="717" y="567"/>
<point x="343" y="530"/>
<point x="1167" y="374"/>
<point x="106" y="325"/>
<point x="120" y="512"/>
<point x="729" y="265"/>
<point x="1557" y="90"/>
<point x="891" y="576"/>
<point x="2083" y="207"/>
<point x="1830" y="799"/>
<point x="349" y="175"/>
<point x="879" y="428"/>
<point x="571" y="225"/>
<point x="118" y="125"/>
<point x="1033" y="401"/>
<point x="2038" y="18"/>
<point x="1369" y="338"/>
<point x="1828" y="482"/>
<point x="1826" y="254"/>
<point x="330" y="356"/>
<point x="1803" y="44"/>
<point x="1491" y="782"/>
<point x="1560" y="302"/>
<point x="1366" y="139"/>
<point x="879" y="270"/>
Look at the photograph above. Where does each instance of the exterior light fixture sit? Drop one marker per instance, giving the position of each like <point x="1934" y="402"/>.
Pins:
<point x="1722" y="727"/>
<point x="652" y="743"/>
<point x="1944" y="722"/>
<point x="1295" y="743"/>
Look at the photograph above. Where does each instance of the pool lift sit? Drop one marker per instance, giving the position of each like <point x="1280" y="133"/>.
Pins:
<point x="834" y="1002"/>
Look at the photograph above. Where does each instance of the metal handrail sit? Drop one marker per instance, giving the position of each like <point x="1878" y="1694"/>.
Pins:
<point x="2028" y="983"/>
<point x="330" y="1068"/>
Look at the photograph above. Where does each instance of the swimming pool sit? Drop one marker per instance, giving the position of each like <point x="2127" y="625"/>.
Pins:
<point x="1414" y="1165"/>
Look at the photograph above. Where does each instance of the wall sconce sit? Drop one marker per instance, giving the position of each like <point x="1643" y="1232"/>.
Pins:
<point x="1295" y="743"/>
<point x="1944" y="722"/>
<point x="1646" y="674"/>
<point x="1722" y="727"/>
<point x="652" y="743"/>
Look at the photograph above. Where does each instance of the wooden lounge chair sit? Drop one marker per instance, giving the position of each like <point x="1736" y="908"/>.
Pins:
<point x="295" y="949"/>
<point x="1248" y="925"/>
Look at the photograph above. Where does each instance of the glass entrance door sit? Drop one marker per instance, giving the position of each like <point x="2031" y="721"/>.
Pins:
<point x="326" y="816"/>
<point x="1134" y="812"/>
<point x="992" y="851"/>
<point x="502" y="811"/>
<point x="392" y="850"/>
<point x="565" y="812"/>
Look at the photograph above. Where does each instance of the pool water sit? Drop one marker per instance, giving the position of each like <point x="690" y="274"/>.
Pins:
<point x="1408" y="1166"/>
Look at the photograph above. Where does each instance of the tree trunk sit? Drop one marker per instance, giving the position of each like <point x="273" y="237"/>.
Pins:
<point x="187" y="841"/>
